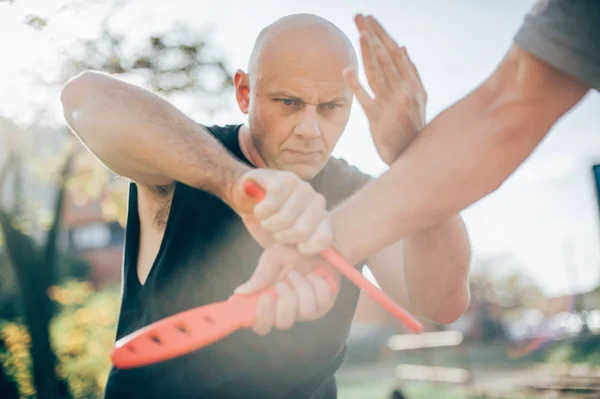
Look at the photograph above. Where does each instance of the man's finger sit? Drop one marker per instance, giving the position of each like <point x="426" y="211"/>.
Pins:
<point x="397" y="53"/>
<point x="414" y="71"/>
<point x="387" y="65"/>
<point x="285" y="306"/>
<point x="323" y="295"/>
<point x="306" y="223"/>
<point x="365" y="101"/>
<point x="307" y="302"/>
<point x="264" y="275"/>
<point x="373" y="70"/>
<point x="321" y="239"/>
<point x="253" y="225"/>
<point x="264" y="316"/>
<point x="277" y="186"/>
<point x="288" y="213"/>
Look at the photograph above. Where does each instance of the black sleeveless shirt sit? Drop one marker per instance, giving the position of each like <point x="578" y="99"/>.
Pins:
<point x="205" y="253"/>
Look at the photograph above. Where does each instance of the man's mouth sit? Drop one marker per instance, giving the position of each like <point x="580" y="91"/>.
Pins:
<point x="308" y="155"/>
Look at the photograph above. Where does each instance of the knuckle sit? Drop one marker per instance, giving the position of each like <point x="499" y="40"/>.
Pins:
<point x="266" y="208"/>
<point x="302" y="232"/>
<point x="284" y="220"/>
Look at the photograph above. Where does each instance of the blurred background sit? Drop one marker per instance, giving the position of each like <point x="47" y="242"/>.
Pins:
<point x="531" y="329"/>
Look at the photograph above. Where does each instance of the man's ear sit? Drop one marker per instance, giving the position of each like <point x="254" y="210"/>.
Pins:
<point x="241" y="82"/>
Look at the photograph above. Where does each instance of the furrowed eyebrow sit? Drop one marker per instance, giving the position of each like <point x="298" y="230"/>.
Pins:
<point x="336" y="100"/>
<point x="284" y="94"/>
<point x="293" y="96"/>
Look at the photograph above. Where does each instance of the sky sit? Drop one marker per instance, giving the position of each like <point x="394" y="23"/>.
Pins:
<point x="545" y="214"/>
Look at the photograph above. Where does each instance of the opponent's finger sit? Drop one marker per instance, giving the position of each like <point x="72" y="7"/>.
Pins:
<point x="285" y="306"/>
<point x="264" y="316"/>
<point x="415" y="73"/>
<point x="397" y="53"/>
<point x="321" y="239"/>
<point x="388" y="66"/>
<point x="365" y="101"/>
<point x="307" y="302"/>
<point x="293" y="206"/>
<point x="373" y="70"/>
<point x="323" y="295"/>
<point x="306" y="223"/>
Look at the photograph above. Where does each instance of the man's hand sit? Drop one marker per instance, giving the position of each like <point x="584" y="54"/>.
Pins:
<point x="304" y="296"/>
<point x="397" y="112"/>
<point x="291" y="213"/>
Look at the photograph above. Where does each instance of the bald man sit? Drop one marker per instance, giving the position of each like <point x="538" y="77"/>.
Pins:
<point x="469" y="150"/>
<point x="193" y="235"/>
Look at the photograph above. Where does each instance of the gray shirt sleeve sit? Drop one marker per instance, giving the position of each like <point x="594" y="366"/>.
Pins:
<point x="565" y="34"/>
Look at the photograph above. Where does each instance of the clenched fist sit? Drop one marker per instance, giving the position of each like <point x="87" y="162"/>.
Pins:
<point x="291" y="213"/>
<point x="301" y="294"/>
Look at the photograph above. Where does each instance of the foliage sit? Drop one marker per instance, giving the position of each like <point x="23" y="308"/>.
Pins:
<point x="583" y="349"/>
<point x="82" y="334"/>
<point x="499" y="280"/>
<point x="178" y="62"/>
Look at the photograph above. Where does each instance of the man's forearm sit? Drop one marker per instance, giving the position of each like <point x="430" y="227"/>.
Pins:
<point x="139" y="135"/>
<point x="464" y="154"/>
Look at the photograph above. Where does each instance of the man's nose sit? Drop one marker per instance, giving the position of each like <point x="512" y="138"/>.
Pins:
<point x="308" y="125"/>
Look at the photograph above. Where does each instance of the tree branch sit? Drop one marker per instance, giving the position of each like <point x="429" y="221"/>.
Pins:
<point x="50" y="248"/>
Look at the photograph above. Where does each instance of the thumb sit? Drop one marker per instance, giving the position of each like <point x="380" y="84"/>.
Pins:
<point x="265" y="275"/>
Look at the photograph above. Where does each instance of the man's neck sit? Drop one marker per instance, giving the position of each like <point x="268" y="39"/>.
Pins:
<point x="248" y="148"/>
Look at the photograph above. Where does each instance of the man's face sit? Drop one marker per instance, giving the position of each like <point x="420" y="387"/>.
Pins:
<point x="298" y="106"/>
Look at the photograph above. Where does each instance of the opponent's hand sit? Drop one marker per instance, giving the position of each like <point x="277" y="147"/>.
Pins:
<point x="397" y="112"/>
<point x="291" y="213"/>
<point x="305" y="297"/>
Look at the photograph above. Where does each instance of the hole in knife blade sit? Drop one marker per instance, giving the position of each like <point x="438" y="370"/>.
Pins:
<point x="209" y="319"/>
<point x="181" y="327"/>
<point x="156" y="339"/>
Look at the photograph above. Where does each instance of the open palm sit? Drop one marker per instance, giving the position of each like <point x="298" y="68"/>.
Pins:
<point x="396" y="113"/>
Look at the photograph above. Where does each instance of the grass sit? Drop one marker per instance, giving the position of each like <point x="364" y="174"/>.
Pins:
<point x="376" y="380"/>
<point x="382" y="389"/>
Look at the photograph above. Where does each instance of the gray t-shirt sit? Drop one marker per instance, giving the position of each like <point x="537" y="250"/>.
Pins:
<point x="566" y="34"/>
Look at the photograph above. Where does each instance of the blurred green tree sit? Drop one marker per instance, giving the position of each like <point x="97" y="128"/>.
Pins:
<point x="500" y="291"/>
<point x="499" y="280"/>
<point x="177" y="62"/>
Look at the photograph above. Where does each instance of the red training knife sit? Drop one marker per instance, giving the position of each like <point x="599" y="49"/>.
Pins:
<point x="193" y="329"/>
<point x="337" y="261"/>
<point x="196" y="328"/>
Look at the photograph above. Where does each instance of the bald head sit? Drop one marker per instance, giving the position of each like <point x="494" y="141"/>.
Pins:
<point x="301" y="38"/>
<point x="295" y="94"/>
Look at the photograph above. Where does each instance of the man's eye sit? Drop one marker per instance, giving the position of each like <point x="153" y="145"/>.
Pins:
<point x="332" y="106"/>
<point x="288" y="102"/>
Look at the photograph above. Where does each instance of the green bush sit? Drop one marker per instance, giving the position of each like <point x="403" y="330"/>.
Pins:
<point x="584" y="349"/>
<point x="82" y="335"/>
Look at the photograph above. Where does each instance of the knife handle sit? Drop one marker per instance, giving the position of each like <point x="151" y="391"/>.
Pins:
<point x="245" y="305"/>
